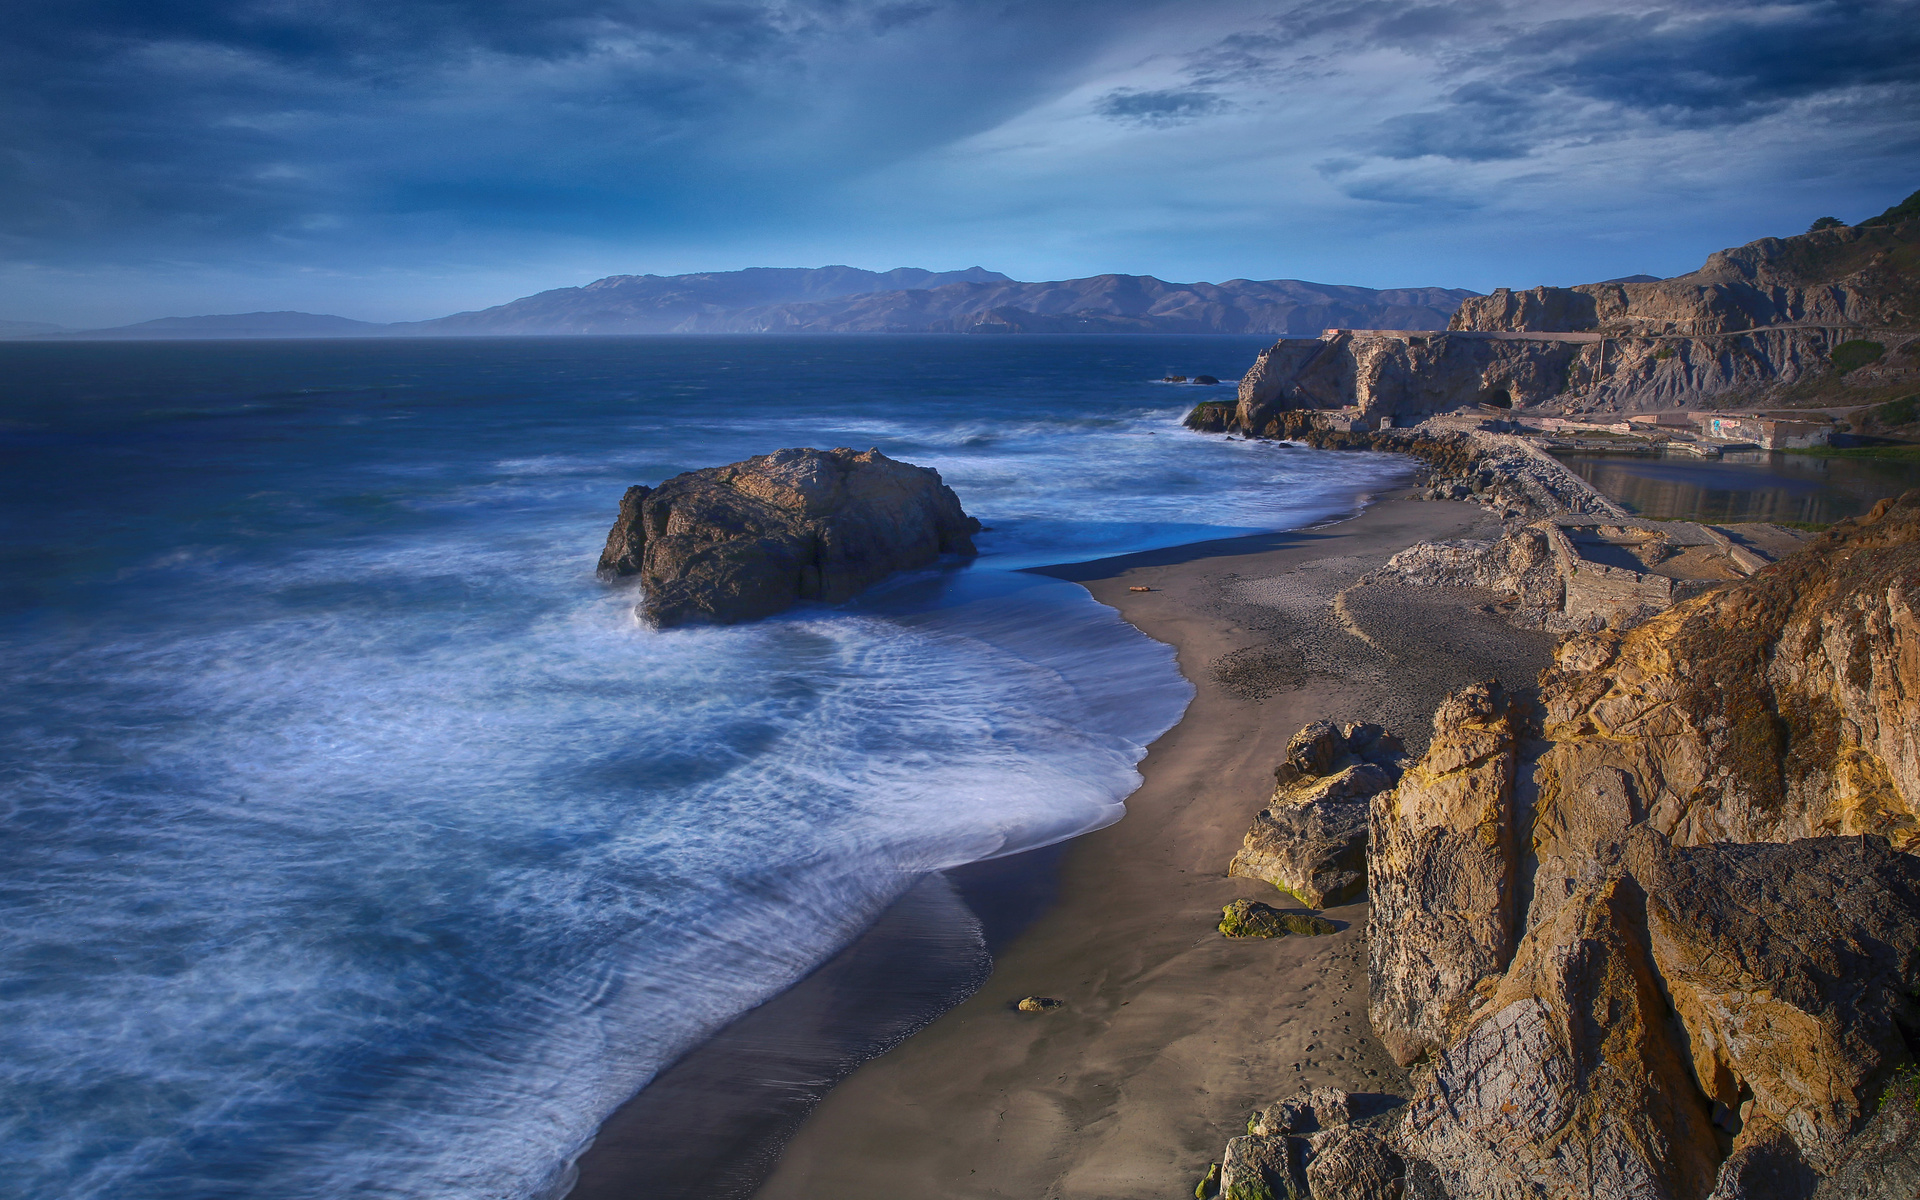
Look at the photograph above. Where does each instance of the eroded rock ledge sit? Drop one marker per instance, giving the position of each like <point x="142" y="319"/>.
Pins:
<point x="744" y="541"/>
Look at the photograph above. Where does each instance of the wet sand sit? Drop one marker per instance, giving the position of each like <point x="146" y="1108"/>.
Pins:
<point x="1170" y="1035"/>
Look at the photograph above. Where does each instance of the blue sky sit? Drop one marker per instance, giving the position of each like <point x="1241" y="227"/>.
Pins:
<point x="395" y="159"/>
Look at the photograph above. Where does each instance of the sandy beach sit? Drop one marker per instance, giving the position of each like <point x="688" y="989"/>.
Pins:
<point x="1171" y="1034"/>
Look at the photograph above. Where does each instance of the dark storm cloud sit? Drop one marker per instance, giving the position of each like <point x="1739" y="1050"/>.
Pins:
<point x="179" y="126"/>
<point x="1159" y="108"/>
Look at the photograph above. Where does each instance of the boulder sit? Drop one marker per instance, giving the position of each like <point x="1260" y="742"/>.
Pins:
<point x="1572" y="1082"/>
<point x="1259" y="1168"/>
<point x="1441" y="874"/>
<point x="1250" y="918"/>
<point x="740" y="542"/>
<point x="1311" y="839"/>
<point x="1791" y="968"/>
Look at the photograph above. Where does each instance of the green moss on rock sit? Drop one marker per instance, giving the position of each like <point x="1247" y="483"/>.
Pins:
<point x="1250" y="918"/>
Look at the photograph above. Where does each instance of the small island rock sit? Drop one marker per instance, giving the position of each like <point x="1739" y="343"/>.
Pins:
<point x="741" y="542"/>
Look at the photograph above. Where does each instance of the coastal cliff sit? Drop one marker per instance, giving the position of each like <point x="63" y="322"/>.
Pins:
<point x="740" y="542"/>
<point x="1829" y="315"/>
<point x="1849" y="276"/>
<point x="1656" y="934"/>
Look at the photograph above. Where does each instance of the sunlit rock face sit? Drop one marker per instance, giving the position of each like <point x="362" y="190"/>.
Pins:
<point x="1711" y="970"/>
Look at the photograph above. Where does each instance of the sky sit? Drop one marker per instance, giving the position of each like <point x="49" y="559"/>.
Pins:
<point x="402" y="159"/>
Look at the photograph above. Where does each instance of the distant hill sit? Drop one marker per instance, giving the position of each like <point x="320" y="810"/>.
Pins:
<point x="240" y="325"/>
<point x="1109" y="304"/>
<point x="676" y="303"/>
<point x="843" y="300"/>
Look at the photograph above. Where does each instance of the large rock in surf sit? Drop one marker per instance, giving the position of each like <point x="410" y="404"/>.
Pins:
<point x="744" y="541"/>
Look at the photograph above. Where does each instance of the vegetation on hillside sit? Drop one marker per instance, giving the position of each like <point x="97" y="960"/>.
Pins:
<point x="1851" y="356"/>
<point x="1906" y="210"/>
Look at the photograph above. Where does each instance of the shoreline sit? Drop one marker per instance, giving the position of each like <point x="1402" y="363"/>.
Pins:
<point x="1171" y="1034"/>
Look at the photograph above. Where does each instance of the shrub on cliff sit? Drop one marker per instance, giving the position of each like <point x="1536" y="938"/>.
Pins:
<point x="1851" y="356"/>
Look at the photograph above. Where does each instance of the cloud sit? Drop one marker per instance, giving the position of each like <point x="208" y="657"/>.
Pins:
<point x="1159" y="108"/>
<point x="162" y="125"/>
<point x="552" y="140"/>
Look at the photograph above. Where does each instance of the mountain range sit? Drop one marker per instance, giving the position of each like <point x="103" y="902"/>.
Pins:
<point x="841" y="299"/>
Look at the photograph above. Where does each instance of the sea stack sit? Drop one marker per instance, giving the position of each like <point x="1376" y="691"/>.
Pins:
<point x="736" y="543"/>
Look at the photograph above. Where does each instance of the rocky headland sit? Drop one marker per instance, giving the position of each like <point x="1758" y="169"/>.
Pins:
<point x="735" y="543"/>
<point x="1827" y="317"/>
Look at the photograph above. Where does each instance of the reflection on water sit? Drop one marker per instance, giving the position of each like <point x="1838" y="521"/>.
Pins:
<point x="1751" y="486"/>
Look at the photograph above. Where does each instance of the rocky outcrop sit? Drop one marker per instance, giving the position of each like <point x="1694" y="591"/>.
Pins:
<point x="1404" y="376"/>
<point x="1719" y="971"/>
<point x="1680" y="1007"/>
<point x="1572" y="1082"/>
<point x="1252" y="919"/>
<point x="1309" y="1145"/>
<point x="1374" y="376"/>
<point x="1311" y="839"/>
<point x="1754" y="324"/>
<point x="1442" y="873"/>
<point x="744" y="541"/>
<point x="1779" y="707"/>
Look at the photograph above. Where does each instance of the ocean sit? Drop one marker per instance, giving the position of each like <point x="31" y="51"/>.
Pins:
<point x="359" y="843"/>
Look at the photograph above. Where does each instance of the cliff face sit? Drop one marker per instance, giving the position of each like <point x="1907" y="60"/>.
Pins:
<point x="1751" y="322"/>
<point x="1403" y="376"/>
<point x="1711" y="969"/>
<point x="1407" y="376"/>
<point x="1858" y="276"/>
<point x="736" y="543"/>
